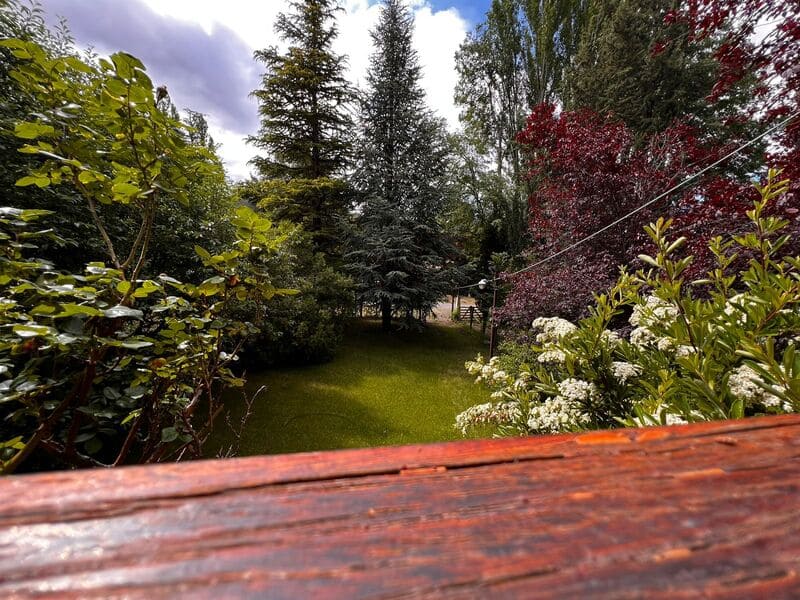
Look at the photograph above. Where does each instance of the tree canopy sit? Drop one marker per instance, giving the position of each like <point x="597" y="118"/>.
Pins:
<point x="303" y="97"/>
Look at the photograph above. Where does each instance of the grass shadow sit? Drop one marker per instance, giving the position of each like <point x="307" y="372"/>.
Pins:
<point x="380" y="389"/>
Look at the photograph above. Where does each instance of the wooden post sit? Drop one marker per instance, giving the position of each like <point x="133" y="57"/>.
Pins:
<point x="493" y="326"/>
<point x="471" y="316"/>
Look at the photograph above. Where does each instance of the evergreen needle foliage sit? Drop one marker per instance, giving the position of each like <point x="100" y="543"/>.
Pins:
<point x="303" y="98"/>
<point x="305" y="125"/>
<point x="400" y="256"/>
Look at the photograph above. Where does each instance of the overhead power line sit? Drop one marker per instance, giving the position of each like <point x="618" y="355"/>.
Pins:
<point x="639" y="209"/>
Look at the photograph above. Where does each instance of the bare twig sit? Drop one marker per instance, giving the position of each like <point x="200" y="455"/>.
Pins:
<point x="235" y="448"/>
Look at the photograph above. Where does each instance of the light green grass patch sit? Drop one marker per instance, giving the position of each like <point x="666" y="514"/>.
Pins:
<point x="380" y="390"/>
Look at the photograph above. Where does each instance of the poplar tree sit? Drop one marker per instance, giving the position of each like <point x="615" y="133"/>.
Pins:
<point x="400" y="257"/>
<point x="512" y="61"/>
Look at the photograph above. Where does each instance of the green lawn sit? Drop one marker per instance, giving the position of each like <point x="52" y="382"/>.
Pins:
<point x="379" y="390"/>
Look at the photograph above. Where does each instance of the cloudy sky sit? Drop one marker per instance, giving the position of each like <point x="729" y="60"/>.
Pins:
<point x="202" y="50"/>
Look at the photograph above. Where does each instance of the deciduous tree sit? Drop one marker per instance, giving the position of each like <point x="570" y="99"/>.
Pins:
<point x="753" y="37"/>
<point x="589" y="172"/>
<point x="513" y="60"/>
<point x="623" y="68"/>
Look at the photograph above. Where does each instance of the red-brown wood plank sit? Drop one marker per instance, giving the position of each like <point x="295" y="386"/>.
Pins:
<point x="657" y="512"/>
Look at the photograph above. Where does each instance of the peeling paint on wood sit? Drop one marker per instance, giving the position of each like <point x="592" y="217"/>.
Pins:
<point x="708" y="510"/>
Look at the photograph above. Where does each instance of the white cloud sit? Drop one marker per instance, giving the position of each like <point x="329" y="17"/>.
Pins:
<point x="354" y="41"/>
<point x="437" y="37"/>
<point x="202" y="50"/>
<point x="235" y="151"/>
<point x="252" y="20"/>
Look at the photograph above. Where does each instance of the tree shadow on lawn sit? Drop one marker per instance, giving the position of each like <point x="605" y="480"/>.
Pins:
<point x="379" y="390"/>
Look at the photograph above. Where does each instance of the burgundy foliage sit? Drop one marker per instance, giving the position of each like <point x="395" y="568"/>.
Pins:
<point x="588" y="173"/>
<point x="760" y="37"/>
<point x="564" y="289"/>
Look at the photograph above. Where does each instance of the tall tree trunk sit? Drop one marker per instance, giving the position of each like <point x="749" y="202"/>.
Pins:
<point x="386" y="314"/>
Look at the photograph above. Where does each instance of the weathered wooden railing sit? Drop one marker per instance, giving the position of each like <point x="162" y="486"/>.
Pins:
<point x="709" y="510"/>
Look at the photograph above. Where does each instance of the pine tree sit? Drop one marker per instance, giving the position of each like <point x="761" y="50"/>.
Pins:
<point x="302" y="101"/>
<point x="305" y="124"/>
<point x="400" y="255"/>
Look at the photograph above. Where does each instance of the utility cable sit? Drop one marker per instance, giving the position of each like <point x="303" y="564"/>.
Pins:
<point x="648" y="203"/>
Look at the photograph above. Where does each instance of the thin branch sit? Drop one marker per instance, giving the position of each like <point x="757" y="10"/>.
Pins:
<point x="99" y="224"/>
<point x="139" y="237"/>
<point x="149" y="221"/>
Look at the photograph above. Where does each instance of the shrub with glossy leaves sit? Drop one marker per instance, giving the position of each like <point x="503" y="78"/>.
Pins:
<point x="728" y="352"/>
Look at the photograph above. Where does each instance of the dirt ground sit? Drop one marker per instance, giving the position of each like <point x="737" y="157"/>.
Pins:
<point x="443" y="314"/>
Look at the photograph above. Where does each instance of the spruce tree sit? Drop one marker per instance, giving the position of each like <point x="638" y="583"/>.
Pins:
<point x="400" y="255"/>
<point x="305" y="124"/>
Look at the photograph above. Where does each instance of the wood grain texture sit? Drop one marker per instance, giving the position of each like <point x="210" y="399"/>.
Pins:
<point x="709" y="509"/>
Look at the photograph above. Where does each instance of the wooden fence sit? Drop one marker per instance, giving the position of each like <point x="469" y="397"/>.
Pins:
<point x="471" y="315"/>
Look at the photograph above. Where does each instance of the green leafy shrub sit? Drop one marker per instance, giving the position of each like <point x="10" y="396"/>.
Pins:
<point x="719" y="348"/>
<point x="107" y="366"/>
<point x="307" y="327"/>
<point x="97" y="369"/>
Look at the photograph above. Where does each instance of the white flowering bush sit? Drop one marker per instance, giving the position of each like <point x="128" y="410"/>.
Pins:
<point x="718" y="348"/>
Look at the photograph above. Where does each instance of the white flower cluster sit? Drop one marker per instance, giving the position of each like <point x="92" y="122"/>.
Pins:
<point x="653" y="311"/>
<point x="552" y="329"/>
<point x="744" y="385"/>
<point x="644" y="337"/>
<point x="625" y="371"/>
<point x="735" y="307"/>
<point x="487" y="372"/>
<point x="641" y="337"/>
<point x="610" y="338"/>
<point x="505" y="386"/>
<point x="577" y="390"/>
<point x="565" y="411"/>
<point x="669" y="419"/>
<point x="555" y="415"/>
<point x="672" y="419"/>
<point x="502" y="413"/>
<point x="521" y="382"/>
<point x="552" y="356"/>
